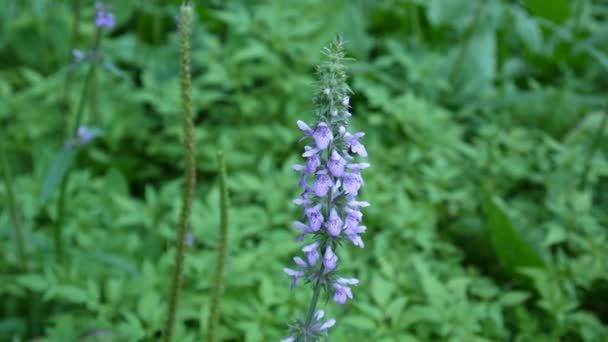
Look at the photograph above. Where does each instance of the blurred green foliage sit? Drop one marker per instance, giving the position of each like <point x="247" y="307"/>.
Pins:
<point x="488" y="182"/>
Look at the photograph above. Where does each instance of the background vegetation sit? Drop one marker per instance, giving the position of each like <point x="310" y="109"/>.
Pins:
<point x="488" y="184"/>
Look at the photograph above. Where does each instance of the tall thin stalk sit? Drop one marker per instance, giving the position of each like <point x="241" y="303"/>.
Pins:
<point x="14" y="212"/>
<point x="218" y="280"/>
<point x="190" y="169"/>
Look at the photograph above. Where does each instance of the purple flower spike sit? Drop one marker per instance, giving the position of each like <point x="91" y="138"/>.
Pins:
<point x="330" y="259"/>
<point x="334" y="223"/>
<point x="336" y="164"/>
<point x="312" y="253"/>
<point x="323" y="136"/>
<point x="331" y="177"/>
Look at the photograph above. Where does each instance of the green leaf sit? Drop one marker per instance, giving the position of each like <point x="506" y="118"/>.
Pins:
<point x="513" y="298"/>
<point x="557" y="11"/>
<point x="61" y="164"/>
<point x="528" y="31"/>
<point x="33" y="282"/>
<point x="381" y="290"/>
<point x="512" y="250"/>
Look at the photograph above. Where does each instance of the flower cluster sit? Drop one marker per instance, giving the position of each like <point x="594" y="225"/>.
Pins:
<point x="104" y="18"/>
<point x="331" y="180"/>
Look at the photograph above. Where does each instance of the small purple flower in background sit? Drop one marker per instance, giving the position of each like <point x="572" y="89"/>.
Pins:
<point x="104" y="18"/>
<point x="87" y="134"/>
<point x="84" y="135"/>
<point x="79" y="56"/>
<point x="331" y="179"/>
<point x="190" y="239"/>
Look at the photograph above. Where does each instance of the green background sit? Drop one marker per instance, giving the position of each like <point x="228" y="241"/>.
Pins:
<point x="488" y="183"/>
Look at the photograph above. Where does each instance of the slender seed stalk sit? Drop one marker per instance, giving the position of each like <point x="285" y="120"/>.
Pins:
<point x="14" y="212"/>
<point x="595" y="145"/>
<point x="218" y="281"/>
<point x="190" y="169"/>
<point x="58" y="229"/>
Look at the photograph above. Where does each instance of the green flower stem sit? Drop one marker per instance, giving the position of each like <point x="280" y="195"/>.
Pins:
<point x="14" y="212"/>
<point x="73" y="41"/>
<point x="315" y="298"/>
<point x="595" y="145"/>
<point x="58" y="234"/>
<point x="190" y="169"/>
<point x="218" y="280"/>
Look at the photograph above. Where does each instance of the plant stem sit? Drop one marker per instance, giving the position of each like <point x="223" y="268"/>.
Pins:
<point x="79" y="113"/>
<point x="594" y="147"/>
<point x="73" y="43"/>
<point x="14" y="212"/>
<point x="216" y="292"/>
<point x="190" y="169"/>
<point x="315" y="299"/>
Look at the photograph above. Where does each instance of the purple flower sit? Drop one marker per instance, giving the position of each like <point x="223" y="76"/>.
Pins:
<point x="85" y="134"/>
<point x="323" y="136"/>
<point x="323" y="183"/>
<point x="305" y="128"/>
<point x="346" y="101"/>
<point x="104" y="18"/>
<point x="295" y="274"/>
<point x="300" y="262"/>
<point x="289" y="339"/>
<point x="352" y="184"/>
<point x="330" y="259"/>
<point x="312" y="253"/>
<point x="312" y="163"/>
<point x="355" y="145"/>
<point x="353" y="234"/>
<point x="336" y="164"/>
<point x="325" y="326"/>
<point x="343" y="290"/>
<point x="78" y="55"/>
<point x="304" y="228"/>
<point x="315" y="217"/>
<point x="353" y="217"/>
<point x="334" y="223"/>
<point x="190" y="239"/>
